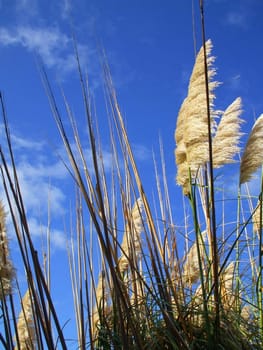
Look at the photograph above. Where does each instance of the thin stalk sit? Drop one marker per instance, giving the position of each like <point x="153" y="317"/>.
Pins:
<point x="193" y="203"/>
<point x="237" y="259"/>
<point x="6" y="321"/>
<point x="260" y="265"/>
<point x="48" y="272"/>
<point x="212" y="197"/>
<point x="80" y="271"/>
<point x="14" y="320"/>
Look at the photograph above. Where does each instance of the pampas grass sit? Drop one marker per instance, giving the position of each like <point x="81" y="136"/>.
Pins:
<point x="139" y="279"/>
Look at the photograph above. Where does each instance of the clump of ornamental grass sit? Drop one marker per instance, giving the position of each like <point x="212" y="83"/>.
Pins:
<point x="135" y="284"/>
<point x="147" y="293"/>
<point x="221" y="289"/>
<point x="139" y="280"/>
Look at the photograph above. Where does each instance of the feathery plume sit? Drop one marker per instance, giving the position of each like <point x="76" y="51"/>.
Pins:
<point x="25" y="325"/>
<point x="227" y="280"/>
<point x="197" y="299"/>
<point x="226" y="140"/>
<point x="101" y="307"/>
<point x="191" y="271"/>
<point x="191" y="134"/>
<point x="246" y="313"/>
<point x="256" y="218"/>
<point x="131" y="243"/>
<point x="252" y="157"/>
<point x="6" y="268"/>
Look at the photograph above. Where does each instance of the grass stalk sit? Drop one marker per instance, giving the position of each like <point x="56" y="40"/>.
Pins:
<point x="260" y="263"/>
<point x="215" y="262"/>
<point x="193" y="203"/>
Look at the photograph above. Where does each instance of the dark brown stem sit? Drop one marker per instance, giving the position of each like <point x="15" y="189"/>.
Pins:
<point x="212" y="201"/>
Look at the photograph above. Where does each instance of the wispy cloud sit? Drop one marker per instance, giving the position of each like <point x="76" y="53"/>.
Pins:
<point x="39" y="189"/>
<point x="40" y="230"/>
<point x="141" y="152"/>
<point x="54" y="47"/>
<point x="235" y="82"/>
<point x="42" y="178"/>
<point x="28" y="7"/>
<point x="19" y="142"/>
<point x="236" y="18"/>
<point x="66" y="7"/>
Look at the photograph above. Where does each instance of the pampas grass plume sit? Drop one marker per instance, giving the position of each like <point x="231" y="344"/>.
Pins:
<point x="252" y="157"/>
<point x="132" y="236"/>
<point x="227" y="280"/>
<point x="191" y="134"/>
<point x="256" y="218"/>
<point x="191" y="272"/>
<point x="226" y="140"/>
<point x="25" y="325"/>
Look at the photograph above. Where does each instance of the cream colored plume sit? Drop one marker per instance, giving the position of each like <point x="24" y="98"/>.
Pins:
<point x="102" y="293"/>
<point x="25" y="325"/>
<point x="252" y="157"/>
<point x="227" y="138"/>
<point x="6" y="267"/>
<point x="101" y="288"/>
<point x="256" y="218"/>
<point x="227" y="281"/>
<point x="246" y="312"/>
<point x="131" y="243"/>
<point x="191" y="134"/>
<point x="191" y="271"/>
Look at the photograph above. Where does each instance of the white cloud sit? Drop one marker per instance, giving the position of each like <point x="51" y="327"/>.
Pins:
<point x="42" y="170"/>
<point x="41" y="193"/>
<point x="66" y="7"/>
<point x="141" y="153"/>
<point x="54" y="47"/>
<point x="58" y="238"/>
<point x="235" y="82"/>
<point x="21" y="142"/>
<point x="37" y="191"/>
<point x="28" y="7"/>
<point x="41" y="177"/>
<point x="235" y="19"/>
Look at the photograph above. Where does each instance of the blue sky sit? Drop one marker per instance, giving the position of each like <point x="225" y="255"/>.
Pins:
<point x="150" y="48"/>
